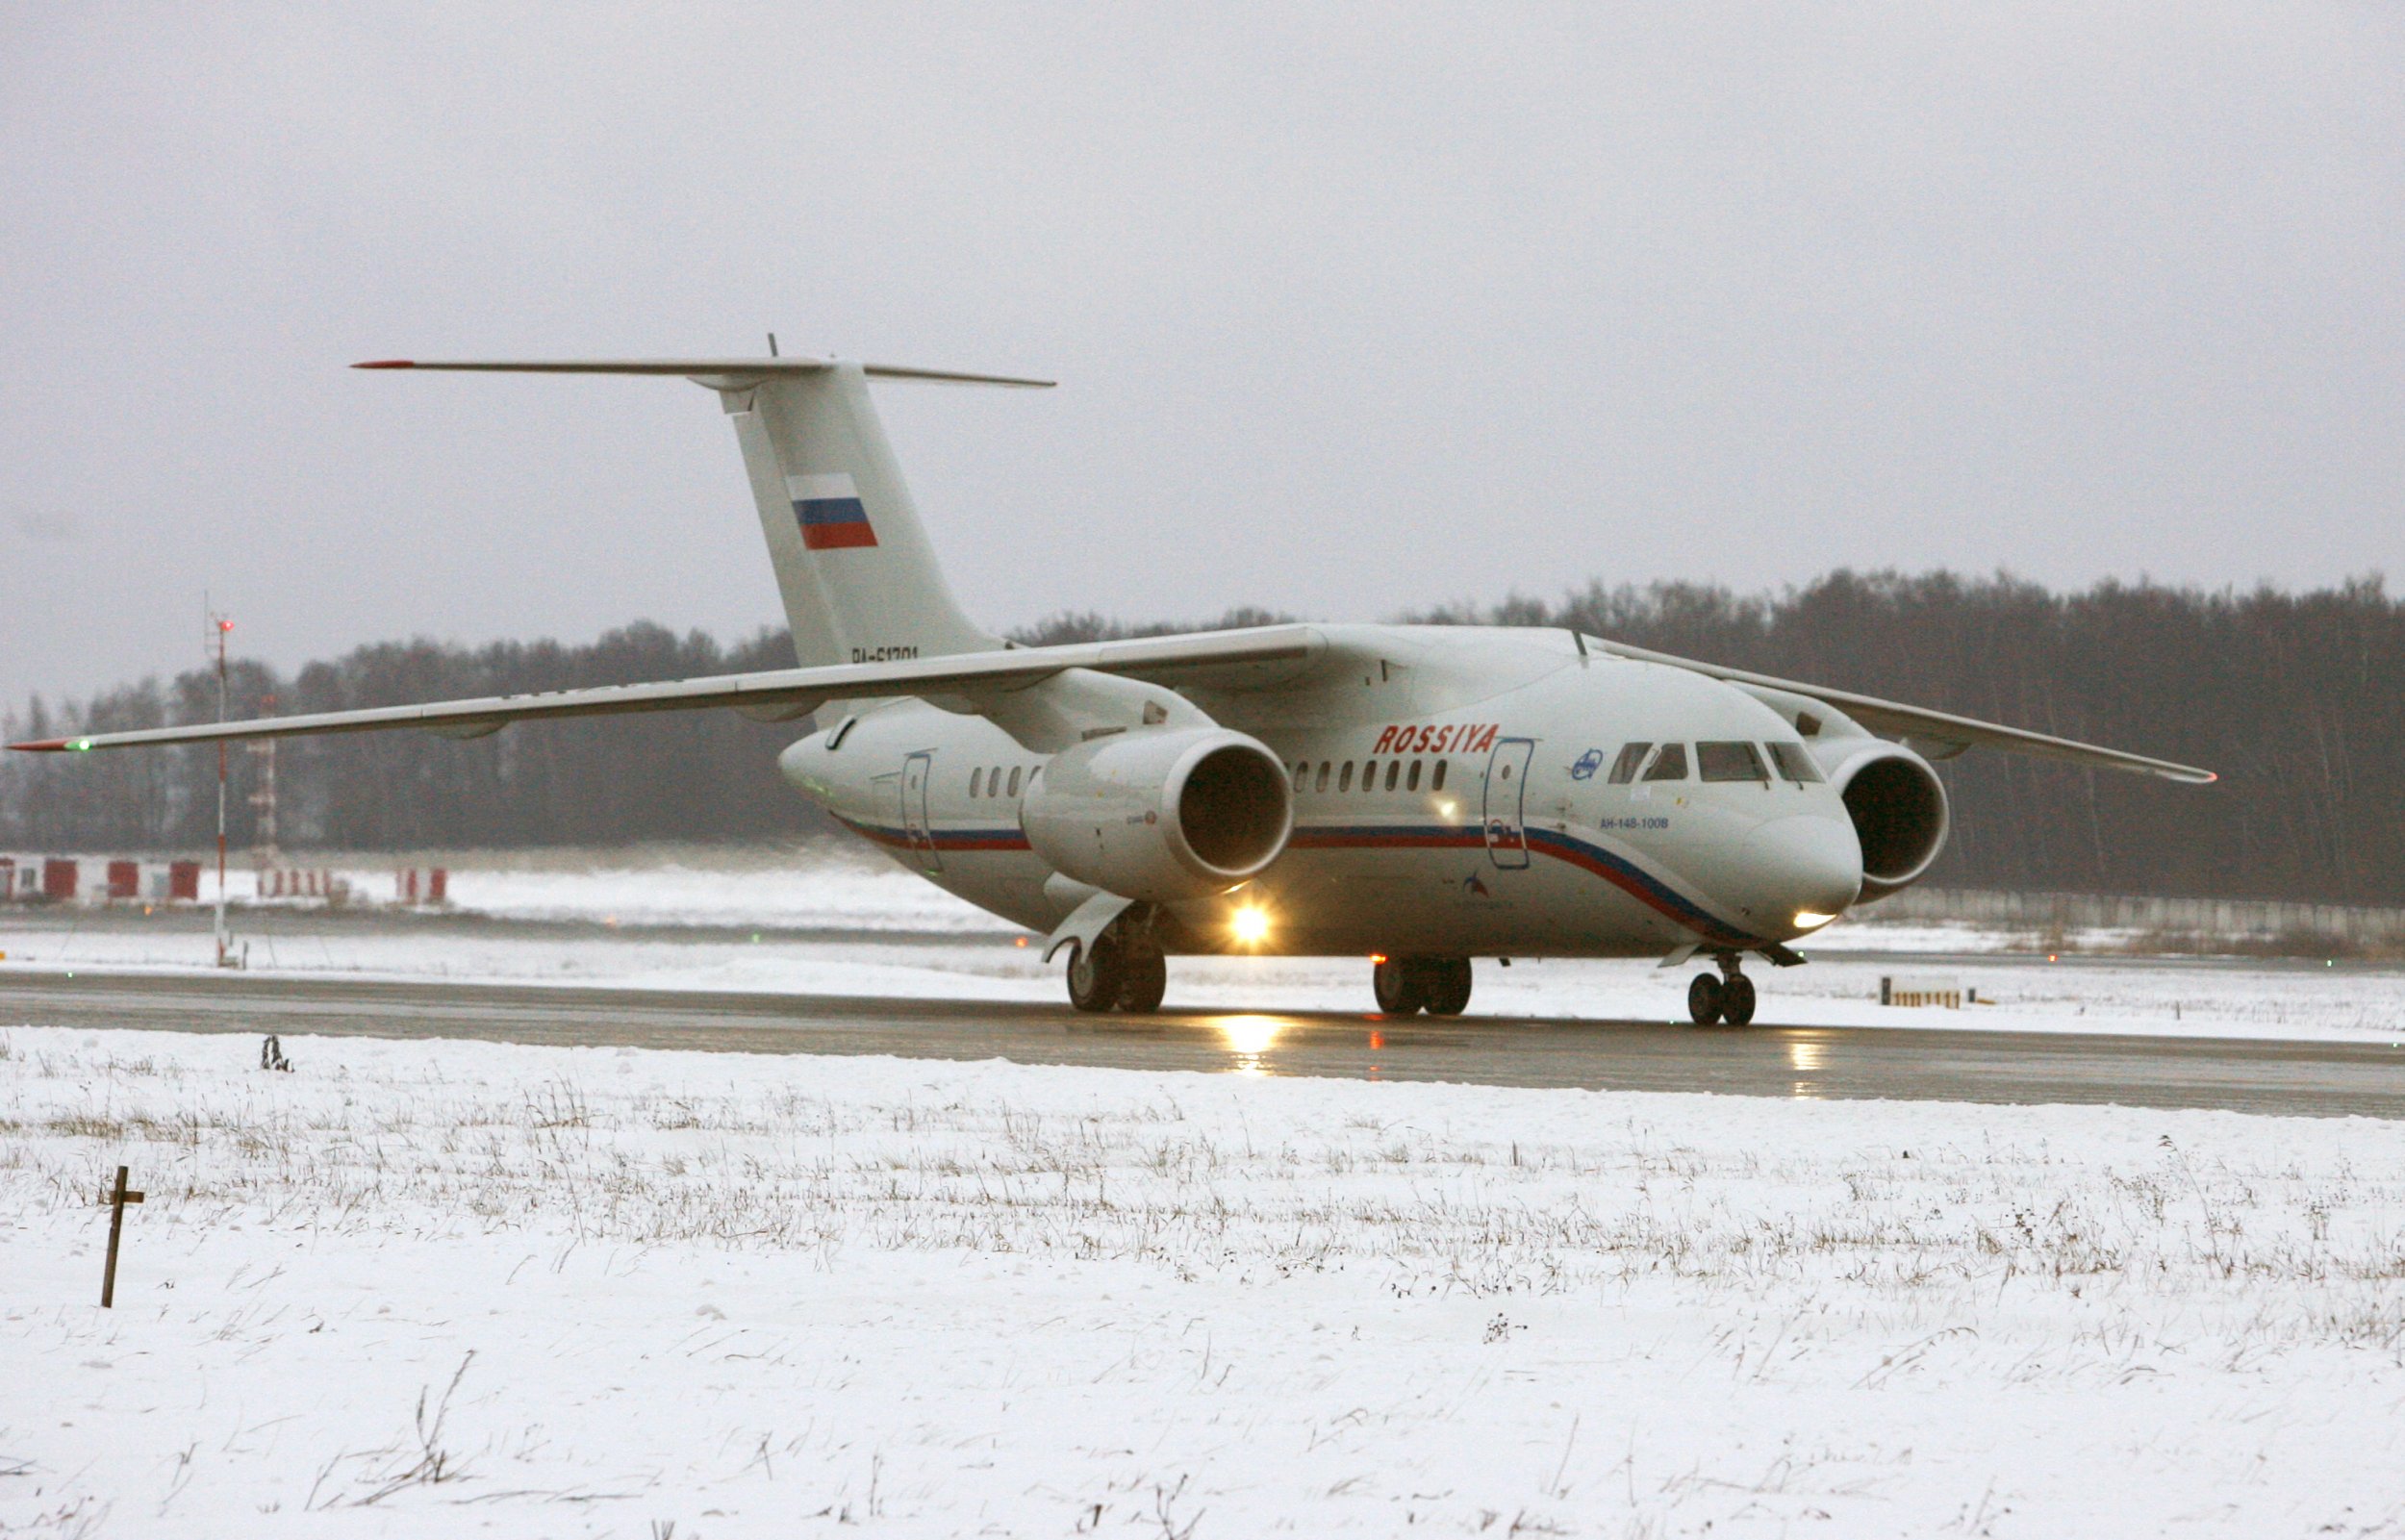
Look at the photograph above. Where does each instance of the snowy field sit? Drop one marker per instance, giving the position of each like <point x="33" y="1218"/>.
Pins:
<point x="443" y="1288"/>
<point x="835" y="923"/>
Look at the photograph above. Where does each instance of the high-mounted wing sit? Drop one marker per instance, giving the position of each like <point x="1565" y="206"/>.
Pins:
<point x="1937" y="728"/>
<point x="1227" y="658"/>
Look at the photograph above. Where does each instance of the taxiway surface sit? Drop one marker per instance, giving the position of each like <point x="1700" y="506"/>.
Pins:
<point x="2315" y="1078"/>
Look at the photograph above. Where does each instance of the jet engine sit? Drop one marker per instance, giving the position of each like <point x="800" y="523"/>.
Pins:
<point x="1899" y="810"/>
<point x="1161" y="815"/>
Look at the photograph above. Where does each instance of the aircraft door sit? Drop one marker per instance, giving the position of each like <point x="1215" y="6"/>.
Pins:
<point x="1505" y="815"/>
<point x="916" y="772"/>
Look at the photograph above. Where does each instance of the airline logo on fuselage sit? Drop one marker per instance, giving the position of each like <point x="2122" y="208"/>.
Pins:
<point x="830" y="511"/>
<point x="1458" y="738"/>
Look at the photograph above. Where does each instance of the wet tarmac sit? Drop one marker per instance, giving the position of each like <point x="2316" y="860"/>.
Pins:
<point x="2260" y="1075"/>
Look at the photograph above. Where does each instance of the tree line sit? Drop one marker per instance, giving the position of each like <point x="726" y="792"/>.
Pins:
<point x="2297" y="698"/>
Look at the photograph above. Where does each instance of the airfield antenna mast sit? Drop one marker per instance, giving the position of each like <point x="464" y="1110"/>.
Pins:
<point x="220" y="625"/>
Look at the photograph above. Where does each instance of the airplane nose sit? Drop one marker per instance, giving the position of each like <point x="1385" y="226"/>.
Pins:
<point x="1803" y="865"/>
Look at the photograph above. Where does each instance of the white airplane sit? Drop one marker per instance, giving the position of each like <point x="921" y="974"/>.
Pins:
<point x="1416" y="794"/>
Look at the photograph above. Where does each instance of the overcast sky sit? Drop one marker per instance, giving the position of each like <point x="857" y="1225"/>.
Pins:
<point x="1353" y="309"/>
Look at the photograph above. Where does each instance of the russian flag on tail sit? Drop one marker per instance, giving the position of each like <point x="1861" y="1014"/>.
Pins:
<point x="828" y="508"/>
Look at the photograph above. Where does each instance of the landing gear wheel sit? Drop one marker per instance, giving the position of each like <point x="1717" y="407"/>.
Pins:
<point x="1399" y="986"/>
<point x="1703" y="1000"/>
<point x="1737" y="1000"/>
<point x="1097" y="973"/>
<point x="1445" y="985"/>
<point x="1143" y="981"/>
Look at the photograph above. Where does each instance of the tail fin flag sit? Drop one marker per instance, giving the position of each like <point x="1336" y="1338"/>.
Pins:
<point x="854" y="568"/>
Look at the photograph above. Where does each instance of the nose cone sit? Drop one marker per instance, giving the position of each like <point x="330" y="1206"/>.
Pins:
<point x="1805" y="865"/>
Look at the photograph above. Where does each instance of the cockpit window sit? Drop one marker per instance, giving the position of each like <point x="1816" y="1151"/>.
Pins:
<point x="1795" y="763"/>
<point x="1731" y="762"/>
<point x="1669" y="763"/>
<point x="1624" y="769"/>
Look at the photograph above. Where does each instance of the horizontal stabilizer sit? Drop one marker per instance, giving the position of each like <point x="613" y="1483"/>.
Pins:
<point x="731" y="371"/>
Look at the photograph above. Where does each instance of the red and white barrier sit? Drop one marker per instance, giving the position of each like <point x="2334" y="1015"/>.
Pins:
<point x="101" y="879"/>
<point x="297" y="882"/>
<point x="421" y="885"/>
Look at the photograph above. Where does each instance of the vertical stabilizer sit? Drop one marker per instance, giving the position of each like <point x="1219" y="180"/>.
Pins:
<point x="853" y="564"/>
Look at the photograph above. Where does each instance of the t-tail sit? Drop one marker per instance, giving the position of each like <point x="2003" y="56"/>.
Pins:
<point x="853" y="564"/>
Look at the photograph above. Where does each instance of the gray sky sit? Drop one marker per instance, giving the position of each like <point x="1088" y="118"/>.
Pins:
<point x="1354" y="308"/>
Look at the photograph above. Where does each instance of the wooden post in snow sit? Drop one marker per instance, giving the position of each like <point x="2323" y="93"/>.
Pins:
<point x="116" y="1201"/>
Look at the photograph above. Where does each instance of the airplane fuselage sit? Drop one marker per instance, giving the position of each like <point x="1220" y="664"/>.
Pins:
<point x="1465" y="791"/>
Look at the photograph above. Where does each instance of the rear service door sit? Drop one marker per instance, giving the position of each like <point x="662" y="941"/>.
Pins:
<point x="916" y="770"/>
<point x="1507" y="801"/>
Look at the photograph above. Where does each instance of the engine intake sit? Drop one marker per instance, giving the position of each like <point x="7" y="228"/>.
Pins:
<point x="1161" y="815"/>
<point x="1900" y="813"/>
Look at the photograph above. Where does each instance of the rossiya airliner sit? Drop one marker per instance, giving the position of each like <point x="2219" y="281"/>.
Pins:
<point x="1418" y="796"/>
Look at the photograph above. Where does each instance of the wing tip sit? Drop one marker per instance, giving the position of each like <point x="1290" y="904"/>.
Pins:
<point x="387" y="364"/>
<point x="43" y="746"/>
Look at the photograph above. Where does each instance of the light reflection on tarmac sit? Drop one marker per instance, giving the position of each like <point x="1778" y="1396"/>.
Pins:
<point x="2240" y="1074"/>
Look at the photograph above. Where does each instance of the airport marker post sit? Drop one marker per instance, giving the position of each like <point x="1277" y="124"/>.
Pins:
<point x="116" y="1201"/>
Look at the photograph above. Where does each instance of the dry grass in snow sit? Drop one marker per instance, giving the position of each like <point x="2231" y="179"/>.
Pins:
<point x="518" y="1290"/>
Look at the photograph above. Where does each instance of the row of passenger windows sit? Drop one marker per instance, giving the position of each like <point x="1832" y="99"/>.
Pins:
<point x="990" y="782"/>
<point x="1713" y="762"/>
<point x="1312" y="777"/>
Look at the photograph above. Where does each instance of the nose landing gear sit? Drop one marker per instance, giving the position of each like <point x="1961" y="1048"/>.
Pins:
<point x="1729" y="998"/>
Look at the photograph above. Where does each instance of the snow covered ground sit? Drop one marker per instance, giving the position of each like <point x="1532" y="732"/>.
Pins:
<point x="415" y="1288"/>
<point x="856" y="924"/>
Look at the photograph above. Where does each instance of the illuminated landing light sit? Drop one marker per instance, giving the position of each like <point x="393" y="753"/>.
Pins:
<point x="1449" y="808"/>
<point x="1249" y="925"/>
<point x="1812" y="919"/>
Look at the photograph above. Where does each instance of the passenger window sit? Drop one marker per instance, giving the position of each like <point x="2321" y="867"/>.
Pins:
<point x="1438" y="784"/>
<point x="1319" y="783"/>
<point x="1369" y="775"/>
<point x="1795" y="762"/>
<point x="1302" y="773"/>
<point x="1731" y="762"/>
<point x="1014" y="780"/>
<point x="975" y="776"/>
<point x="1624" y="769"/>
<point x="1394" y="769"/>
<point x="1412" y="782"/>
<point x="1344" y="782"/>
<point x="1669" y="763"/>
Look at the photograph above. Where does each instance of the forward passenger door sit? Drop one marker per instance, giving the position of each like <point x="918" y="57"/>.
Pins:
<point x="1506" y="814"/>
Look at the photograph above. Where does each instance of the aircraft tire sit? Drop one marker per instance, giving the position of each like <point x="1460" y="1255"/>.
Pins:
<point x="1399" y="987"/>
<point x="1143" y="981"/>
<point x="1097" y="973"/>
<point x="1445" y="985"/>
<point x="1737" y="1000"/>
<point x="1703" y="1000"/>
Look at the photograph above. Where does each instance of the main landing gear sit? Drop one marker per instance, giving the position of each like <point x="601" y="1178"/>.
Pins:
<point x="1729" y="998"/>
<point x="1114" y="974"/>
<point x="1437" y="985"/>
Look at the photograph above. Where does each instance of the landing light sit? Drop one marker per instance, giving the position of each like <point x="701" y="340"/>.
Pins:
<point x="1449" y="807"/>
<point x="1812" y="919"/>
<point x="1251" y="925"/>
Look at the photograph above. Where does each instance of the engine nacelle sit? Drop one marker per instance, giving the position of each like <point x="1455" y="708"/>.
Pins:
<point x="1898" y="806"/>
<point x="1163" y="815"/>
